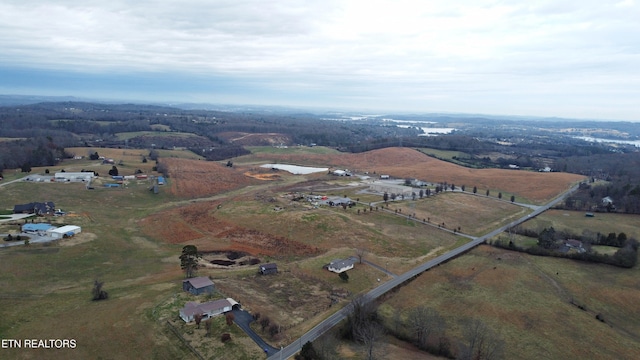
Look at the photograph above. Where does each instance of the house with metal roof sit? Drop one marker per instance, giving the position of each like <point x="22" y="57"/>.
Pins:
<point x="208" y="309"/>
<point x="36" y="227"/>
<point x="64" y="231"/>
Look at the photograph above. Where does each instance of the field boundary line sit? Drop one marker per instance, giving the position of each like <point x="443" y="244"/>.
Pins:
<point x="184" y="341"/>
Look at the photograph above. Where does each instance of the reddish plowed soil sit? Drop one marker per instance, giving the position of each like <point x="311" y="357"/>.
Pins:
<point x="197" y="224"/>
<point x="195" y="178"/>
<point x="409" y="163"/>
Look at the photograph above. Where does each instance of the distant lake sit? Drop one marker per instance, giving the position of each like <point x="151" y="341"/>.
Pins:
<point x="436" y="131"/>
<point x="635" y="143"/>
<point x="430" y="131"/>
<point x="295" y="169"/>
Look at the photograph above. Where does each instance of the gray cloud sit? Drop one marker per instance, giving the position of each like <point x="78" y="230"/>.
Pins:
<point x="499" y="56"/>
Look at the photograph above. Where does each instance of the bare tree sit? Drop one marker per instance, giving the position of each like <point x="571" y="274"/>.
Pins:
<point x="229" y="317"/>
<point x="198" y="318"/>
<point x="480" y="342"/>
<point x="208" y="325"/>
<point x="361" y="252"/>
<point x="326" y="345"/>
<point x="423" y="322"/>
<point x="362" y="310"/>
<point x="98" y="293"/>
<point x="370" y="334"/>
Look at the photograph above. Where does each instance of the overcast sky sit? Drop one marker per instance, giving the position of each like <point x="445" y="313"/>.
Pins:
<point x="577" y="59"/>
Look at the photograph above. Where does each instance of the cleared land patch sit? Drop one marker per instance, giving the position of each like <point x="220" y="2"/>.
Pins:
<point x="409" y="163"/>
<point x="193" y="179"/>
<point x="474" y="215"/>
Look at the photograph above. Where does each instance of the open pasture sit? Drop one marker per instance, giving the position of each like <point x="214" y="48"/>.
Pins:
<point x="46" y="290"/>
<point x="576" y="222"/>
<point x="526" y="300"/>
<point x="474" y="215"/>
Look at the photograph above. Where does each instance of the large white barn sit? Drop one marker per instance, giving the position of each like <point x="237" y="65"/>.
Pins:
<point x="68" y="230"/>
<point x="74" y="176"/>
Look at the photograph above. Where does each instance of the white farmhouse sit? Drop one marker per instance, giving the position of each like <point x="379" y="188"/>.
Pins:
<point x="338" y="266"/>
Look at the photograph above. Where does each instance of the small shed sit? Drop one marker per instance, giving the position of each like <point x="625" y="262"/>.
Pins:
<point x="270" y="268"/>
<point x="36" y="227"/>
<point x="208" y="309"/>
<point x="64" y="231"/>
<point x="198" y="285"/>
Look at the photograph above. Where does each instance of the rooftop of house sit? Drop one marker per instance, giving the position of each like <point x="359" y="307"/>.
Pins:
<point x="339" y="264"/>
<point x="192" y="308"/>
<point x="199" y="282"/>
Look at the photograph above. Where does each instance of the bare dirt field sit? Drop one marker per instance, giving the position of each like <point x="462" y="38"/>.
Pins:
<point x="198" y="225"/>
<point x="409" y="163"/>
<point x="193" y="178"/>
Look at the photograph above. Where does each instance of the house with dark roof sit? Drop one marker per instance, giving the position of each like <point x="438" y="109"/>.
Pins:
<point x="208" y="309"/>
<point x="38" y="208"/>
<point x="270" y="268"/>
<point x="198" y="285"/>
<point x="338" y="266"/>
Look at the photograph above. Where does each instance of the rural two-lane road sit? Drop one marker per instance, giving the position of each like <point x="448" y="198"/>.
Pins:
<point x="338" y="316"/>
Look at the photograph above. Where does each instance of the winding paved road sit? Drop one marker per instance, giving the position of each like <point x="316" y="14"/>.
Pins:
<point x="341" y="314"/>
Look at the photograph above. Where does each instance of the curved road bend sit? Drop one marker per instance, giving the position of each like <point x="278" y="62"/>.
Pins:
<point x="338" y="316"/>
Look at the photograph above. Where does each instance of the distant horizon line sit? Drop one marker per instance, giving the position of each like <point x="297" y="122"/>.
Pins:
<point x="366" y="112"/>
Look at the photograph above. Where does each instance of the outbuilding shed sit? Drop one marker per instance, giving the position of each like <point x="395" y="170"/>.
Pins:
<point x="64" y="231"/>
<point x="270" y="268"/>
<point x="36" y="227"/>
<point x="198" y="285"/>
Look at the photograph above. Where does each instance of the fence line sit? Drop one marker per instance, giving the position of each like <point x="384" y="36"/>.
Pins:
<point x="184" y="341"/>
